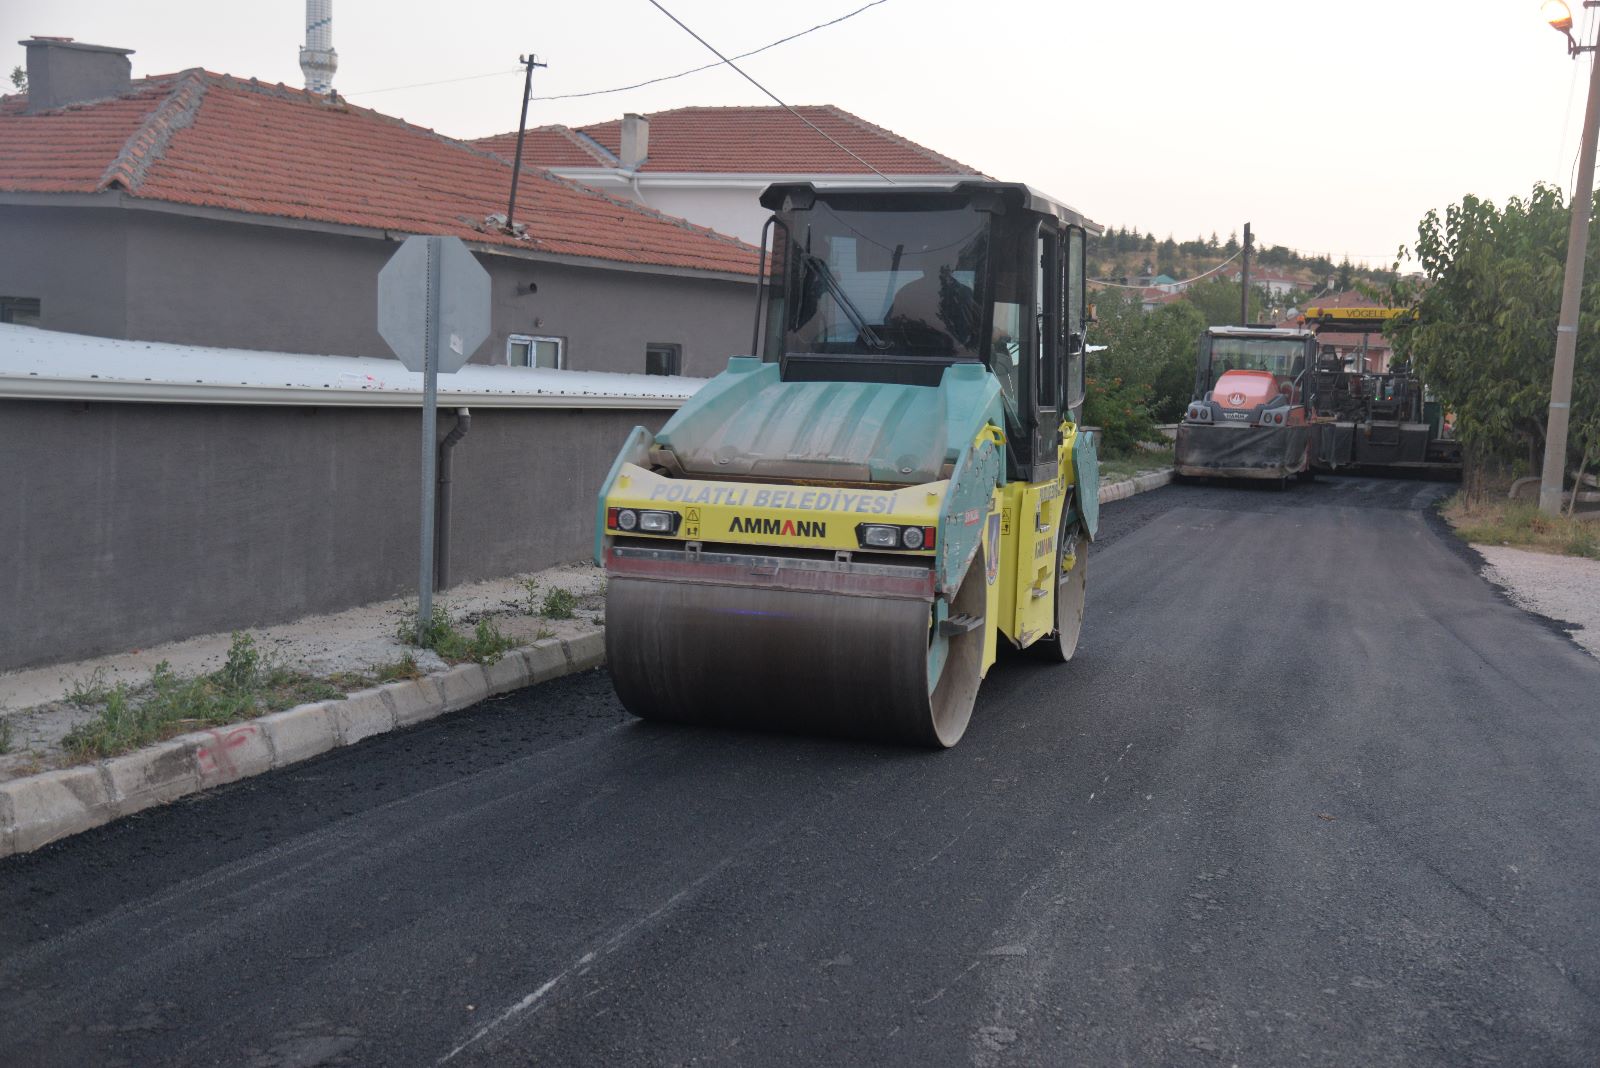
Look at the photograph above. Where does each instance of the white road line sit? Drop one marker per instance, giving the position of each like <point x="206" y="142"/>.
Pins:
<point x="531" y="1001"/>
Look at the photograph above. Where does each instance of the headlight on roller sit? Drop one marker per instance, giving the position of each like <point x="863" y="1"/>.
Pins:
<point x="885" y="536"/>
<point x="641" y="520"/>
<point x="874" y="536"/>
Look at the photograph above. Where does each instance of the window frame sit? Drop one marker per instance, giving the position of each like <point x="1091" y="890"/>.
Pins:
<point x="531" y="340"/>
<point x="31" y="307"/>
<point x="674" y="349"/>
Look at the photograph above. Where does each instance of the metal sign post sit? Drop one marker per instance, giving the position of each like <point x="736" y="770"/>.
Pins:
<point x="433" y="310"/>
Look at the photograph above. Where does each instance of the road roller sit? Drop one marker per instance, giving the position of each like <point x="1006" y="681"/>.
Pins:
<point x="835" y="534"/>
<point x="1253" y="405"/>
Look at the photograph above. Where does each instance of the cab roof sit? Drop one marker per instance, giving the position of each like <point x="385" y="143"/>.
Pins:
<point x="1022" y="196"/>
<point x="1259" y="332"/>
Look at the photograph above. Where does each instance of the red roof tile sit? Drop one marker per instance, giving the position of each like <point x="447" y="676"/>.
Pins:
<point x="549" y="146"/>
<point x="215" y="141"/>
<point x="760" y="140"/>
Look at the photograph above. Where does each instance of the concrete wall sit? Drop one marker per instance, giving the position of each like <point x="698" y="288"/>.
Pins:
<point x="153" y="276"/>
<point x="735" y="211"/>
<point x="73" y="263"/>
<point x="129" y="524"/>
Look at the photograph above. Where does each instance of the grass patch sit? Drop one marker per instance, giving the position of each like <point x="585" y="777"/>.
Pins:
<point x="249" y="683"/>
<point x="558" y="603"/>
<point x="1125" y="464"/>
<point x="7" y="736"/>
<point x="403" y="667"/>
<point x="1521" y="524"/>
<point x="485" y="645"/>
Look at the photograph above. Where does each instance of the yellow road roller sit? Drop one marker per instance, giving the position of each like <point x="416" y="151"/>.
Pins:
<point x="833" y="536"/>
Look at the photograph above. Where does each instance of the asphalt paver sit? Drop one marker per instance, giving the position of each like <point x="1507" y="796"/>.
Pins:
<point x="1311" y="792"/>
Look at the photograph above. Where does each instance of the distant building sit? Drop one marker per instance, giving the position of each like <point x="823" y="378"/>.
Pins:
<point x="1275" y="283"/>
<point x="710" y="164"/>
<point x="205" y="209"/>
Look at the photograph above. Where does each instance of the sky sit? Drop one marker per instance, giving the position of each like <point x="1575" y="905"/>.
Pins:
<point x="1331" y="127"/>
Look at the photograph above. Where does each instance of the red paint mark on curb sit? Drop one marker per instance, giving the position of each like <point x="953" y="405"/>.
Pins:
<point x="215" y="760"/>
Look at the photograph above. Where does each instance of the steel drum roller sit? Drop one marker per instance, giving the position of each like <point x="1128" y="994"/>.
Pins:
<point x="779" y="659"/>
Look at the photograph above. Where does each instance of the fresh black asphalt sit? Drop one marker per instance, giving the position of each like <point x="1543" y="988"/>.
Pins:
<point x="1312" y="792"/>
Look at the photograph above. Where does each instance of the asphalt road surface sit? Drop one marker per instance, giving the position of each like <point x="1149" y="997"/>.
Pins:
<point x="1312" y="792"/>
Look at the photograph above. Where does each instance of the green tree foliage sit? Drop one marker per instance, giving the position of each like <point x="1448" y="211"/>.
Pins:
<point x="19" y="79"/>
<point x="1218" y="301"/>
<point x="1484" y="331"/>
<point x="1151" y="355"/>
<point x="1346" y="276"/>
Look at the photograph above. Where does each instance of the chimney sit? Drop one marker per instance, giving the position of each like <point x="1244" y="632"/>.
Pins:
<point x="61" y="71"/>
<point x="635" y="140"/>
<point x="318" y="60"/>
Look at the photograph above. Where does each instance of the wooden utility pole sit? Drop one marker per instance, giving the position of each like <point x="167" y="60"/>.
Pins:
<point x="1553" y="476"/>
<point x="530" y="61"/>
<point x="1244" y="281"/>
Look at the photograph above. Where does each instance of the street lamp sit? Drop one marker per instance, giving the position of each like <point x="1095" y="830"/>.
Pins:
<point x="1551" y="479"/>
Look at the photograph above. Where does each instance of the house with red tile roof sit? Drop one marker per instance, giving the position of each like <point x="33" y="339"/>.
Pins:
<point x="710" y="164"/>
<point x="206" y="209"/>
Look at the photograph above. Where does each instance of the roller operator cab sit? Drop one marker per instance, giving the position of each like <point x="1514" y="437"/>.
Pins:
<point x="834" y="536"/>
<point x="1254" y="399"/>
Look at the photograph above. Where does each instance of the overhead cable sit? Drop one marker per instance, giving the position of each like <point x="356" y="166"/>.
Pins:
<point x="708" y="66"/>
<point x="635" y="85"/>
<point x="656" y="4"/>
<point x="1182" y="282"/>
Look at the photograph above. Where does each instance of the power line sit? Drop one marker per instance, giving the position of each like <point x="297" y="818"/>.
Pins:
<point x="1182" y="282"/>
<point x="708" y="66"/>
<point x="656" y="4"/>
<point x="623" y="88"/>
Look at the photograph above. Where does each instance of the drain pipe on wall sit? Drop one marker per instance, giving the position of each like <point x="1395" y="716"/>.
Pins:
<point x="441" y="515"/>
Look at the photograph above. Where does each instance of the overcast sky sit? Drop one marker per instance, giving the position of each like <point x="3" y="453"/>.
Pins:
<point x="1331" y="127"/>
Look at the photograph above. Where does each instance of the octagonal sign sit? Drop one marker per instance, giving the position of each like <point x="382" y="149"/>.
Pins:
<point x="457" y="316"/>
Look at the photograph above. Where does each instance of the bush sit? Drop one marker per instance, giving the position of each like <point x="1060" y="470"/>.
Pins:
<point x="1120" y="411"/>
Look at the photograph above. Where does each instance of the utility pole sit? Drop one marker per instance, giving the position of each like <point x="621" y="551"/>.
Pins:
<point x="530" y="61"/>
<point x="1244" y="281"/>
<point x="1555" y="437"/>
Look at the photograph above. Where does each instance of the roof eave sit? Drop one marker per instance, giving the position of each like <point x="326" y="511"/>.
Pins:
<point x="117" y="198"/>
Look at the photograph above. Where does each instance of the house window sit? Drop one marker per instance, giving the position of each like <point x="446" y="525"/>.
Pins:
<point x="661" y="358"/>
<point x="525" y="350"/>
<point x="23" y="311"/>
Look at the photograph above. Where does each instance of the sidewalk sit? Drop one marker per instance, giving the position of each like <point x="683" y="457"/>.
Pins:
<point x="47" y="793"/>
<point x="34" y="704"/>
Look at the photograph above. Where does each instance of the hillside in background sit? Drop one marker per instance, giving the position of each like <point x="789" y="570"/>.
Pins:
<point x="1124" y="255"/>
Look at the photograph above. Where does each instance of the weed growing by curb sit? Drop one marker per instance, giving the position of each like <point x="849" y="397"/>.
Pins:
<point x="7" y="738"/>
<point x="486" y="645"/>
<point x="249" y="683"/>
<point x="558" y="603"/>
<point x="85" y="693"/>
<point x="530" y="597"/>
<point x="403" y="667"/>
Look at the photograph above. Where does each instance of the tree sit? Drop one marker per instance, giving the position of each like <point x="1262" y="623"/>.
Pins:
<point x="1152" y="353"/>
<point x="1218" y="301"/>
<point x="1346" y="275"/>
<point x="19" y="79"/>
<point x="1484" y="327"/>
<point x="1233" y="243"/>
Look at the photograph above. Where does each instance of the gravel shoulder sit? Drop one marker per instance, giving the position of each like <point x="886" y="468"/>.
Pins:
<point x="1562" y="588"/>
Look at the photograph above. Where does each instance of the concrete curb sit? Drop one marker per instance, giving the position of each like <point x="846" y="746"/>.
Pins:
<point x="40" y="809"/>
<point x="1118" y="491"/>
